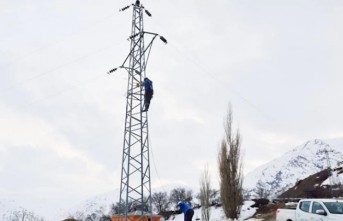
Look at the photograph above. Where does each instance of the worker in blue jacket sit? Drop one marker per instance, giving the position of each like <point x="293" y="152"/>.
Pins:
<point x="149" y="91"/>
<point x="186" y="209"/>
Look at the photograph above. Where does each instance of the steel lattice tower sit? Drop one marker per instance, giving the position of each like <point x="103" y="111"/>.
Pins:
<point x="135" y="186"/>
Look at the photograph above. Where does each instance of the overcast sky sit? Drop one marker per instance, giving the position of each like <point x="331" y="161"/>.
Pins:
<point x="62" y="117"/>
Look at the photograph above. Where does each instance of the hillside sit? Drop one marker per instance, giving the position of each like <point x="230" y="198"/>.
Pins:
<point x="315" y="186"/>
<point x="282" y="173"/>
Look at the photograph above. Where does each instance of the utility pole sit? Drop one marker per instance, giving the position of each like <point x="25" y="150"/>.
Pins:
<point x="135" y="186"/>
<point x="329" y="169"/>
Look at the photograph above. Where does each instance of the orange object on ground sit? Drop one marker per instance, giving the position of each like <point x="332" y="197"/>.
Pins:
<point x="136" y="218"/>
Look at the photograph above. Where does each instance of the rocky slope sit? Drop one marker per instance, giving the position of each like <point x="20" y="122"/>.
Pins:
<point x="282" y="173"/>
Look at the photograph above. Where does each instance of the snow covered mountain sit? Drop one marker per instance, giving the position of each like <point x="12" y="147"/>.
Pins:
<point x="282" y="173"/>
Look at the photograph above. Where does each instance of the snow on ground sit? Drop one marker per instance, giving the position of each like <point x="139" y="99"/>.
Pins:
<point x="335" y="178"/>
<point x="217" y="214"/>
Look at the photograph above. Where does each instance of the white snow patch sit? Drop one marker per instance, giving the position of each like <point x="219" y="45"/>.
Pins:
<point x="217" y="214"/>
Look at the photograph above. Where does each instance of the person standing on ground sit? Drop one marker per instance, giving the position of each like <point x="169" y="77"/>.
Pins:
<point x="186" y="209"/>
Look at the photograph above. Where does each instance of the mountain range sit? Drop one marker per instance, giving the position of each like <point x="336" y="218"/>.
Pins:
<point x="304" y="160"/>
<point x="275" y="176"/>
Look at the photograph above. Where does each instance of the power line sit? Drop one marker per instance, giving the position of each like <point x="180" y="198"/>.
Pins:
<point x="4" y="90"/>
<point x="154" y="162"/>
<point x="218" y="81"/>
<point x="74" y="86"/>
<point x="200" y="66"/>
<point x="39" y="49"/>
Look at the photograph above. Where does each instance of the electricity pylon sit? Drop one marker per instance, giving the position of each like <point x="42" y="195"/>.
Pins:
<point x="332" y="181"/>
<point x="135" y="186"/>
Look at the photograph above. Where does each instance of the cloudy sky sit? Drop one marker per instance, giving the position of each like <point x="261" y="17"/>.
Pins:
<point x="62" y="117"/>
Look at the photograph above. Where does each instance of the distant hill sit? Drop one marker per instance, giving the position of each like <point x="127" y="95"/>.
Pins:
<point x="315" y="186"/>
<point x="283" y="173"/>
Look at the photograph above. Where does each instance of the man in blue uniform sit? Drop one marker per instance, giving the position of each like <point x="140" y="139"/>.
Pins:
<point x="149" y="91"/>
<point x="187" y="210"/>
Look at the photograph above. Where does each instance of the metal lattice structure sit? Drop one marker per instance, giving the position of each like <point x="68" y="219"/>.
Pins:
<point x="135" y="186"/>
<point x="332" y="181"/>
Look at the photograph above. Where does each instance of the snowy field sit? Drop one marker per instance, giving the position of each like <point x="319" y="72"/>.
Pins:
<point x="217" y="214"/>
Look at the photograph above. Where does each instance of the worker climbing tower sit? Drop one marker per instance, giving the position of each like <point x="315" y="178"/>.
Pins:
<point x="135" y="186"/>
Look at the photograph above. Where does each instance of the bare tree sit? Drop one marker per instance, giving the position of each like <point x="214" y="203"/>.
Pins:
<point x="247" y="194"/>
<point x="230" y="170"/>
<point x="160" y="201"/>
<point x="205" y="194"/>
<point x="214" y="197"/>
<point x="22" y="215"/>
<point x="119" y="207"/>
<point x="181" y="194"/>
<point x="261" y="190"/>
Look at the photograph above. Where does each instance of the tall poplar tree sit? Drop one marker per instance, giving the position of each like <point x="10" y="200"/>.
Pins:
<point x="230" y="170"/>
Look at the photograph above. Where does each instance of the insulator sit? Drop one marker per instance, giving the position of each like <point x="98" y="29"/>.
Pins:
<point x="123" y="9"/>
<point x="148" y="13"/>
<point x="163" y="39"/>
<point x="133" y="36"/>
<point x="113" y="70"/>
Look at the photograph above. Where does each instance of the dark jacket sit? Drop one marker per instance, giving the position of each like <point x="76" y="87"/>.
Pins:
<point x="147" y="84"/>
